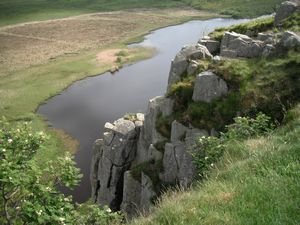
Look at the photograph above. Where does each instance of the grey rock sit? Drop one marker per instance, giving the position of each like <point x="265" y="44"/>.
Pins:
<point x="209" y="86"/>
<point x="132" y="191"/>
<point x="239" y="45"/>
<point x="192" y="67"/>
<point x="285" y="10"/>
<point x="96" y="155"/>
<point x="216" y="59"/>
<point x="112" y="157"/>
<point x="268" y="50"/>
<point x="290" y="40"/>
<point x="177" y="160"/>
<point x="154" y="154"/>
<point x="148" y="134"/>
<point x="140" y="116"/>
<point x="267" y="38"/>
<point x="180" y="63"/>
<point x="213" y="46"/>
<point x="147" y="193"/>
<point x="192" y="136"/>
<point x="178" y="132"/>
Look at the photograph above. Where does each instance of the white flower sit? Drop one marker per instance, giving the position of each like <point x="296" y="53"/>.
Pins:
<point x="108" y="210"/>
<point x="48" y="188"/>
<point x="10" y="140"/>
<point x="39" y="212"/>
<point x="206" y="158"/>
<point x="3" y="150"/>
<point x="67" y="158"/>
<point x="212" y="165"/>
<point x="10" y="178"/>
<point x="66" y="199"/>
<point x="61" y="219"/>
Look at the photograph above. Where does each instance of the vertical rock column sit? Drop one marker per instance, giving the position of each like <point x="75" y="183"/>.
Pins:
<point x="113" y="156"/>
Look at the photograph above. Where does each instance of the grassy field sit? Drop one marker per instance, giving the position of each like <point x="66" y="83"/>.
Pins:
<point x="16" y="11"/>
<point x="256" y="182"/>
<point x="236" y="8"/>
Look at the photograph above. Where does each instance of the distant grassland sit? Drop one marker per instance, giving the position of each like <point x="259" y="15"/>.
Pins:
<point x="16" y="11"/>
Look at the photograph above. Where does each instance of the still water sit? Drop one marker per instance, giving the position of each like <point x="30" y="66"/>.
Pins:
<point x="83" y="108"/>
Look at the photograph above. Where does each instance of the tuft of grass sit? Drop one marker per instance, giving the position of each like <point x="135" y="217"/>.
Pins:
<point x="253" y="27"/>
<point x="292" y="22"/>
<point x="237" y="8"/>
<point x="256" y="182"/>
<point x="150" y="168"/>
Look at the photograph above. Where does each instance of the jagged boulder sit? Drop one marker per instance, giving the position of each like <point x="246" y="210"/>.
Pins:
<point x="132" y="192"/>
<point x="137" y="195"/>
<point x="213" y="46"/>
<point x="113" y="155"/>
<point x="239" y="45"/>
<point x="149" y="135"/>
<point x="192" y="67"/>
<point x="290" y="40"/>
<point x="180" y="64"/>
<point x="208" y="86"/>
<point x="177" y="161"/>
<point x="285" y="10"/>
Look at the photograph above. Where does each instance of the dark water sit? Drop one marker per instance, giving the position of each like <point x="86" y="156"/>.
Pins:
<point x="85" y="106"/>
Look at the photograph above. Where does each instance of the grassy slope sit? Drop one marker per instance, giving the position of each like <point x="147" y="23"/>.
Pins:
<point x="16" y="11"/>
<point x="236" y="8"/>
<point x="256" y="182"/>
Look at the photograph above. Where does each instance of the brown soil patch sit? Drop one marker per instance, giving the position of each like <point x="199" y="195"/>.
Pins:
<point x="33" y="43"/>
<point x="108" y="56"/>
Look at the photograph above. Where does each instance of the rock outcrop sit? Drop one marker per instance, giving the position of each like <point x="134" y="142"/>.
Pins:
<point x="209" y="86"/>
<point x="113" y="156"/>
<point x="180" y="63"/>
<point x="240" y="45"/>
<point x="285" y="10"/>
<point x="178" y="164"/>
<point x="213" y="46"/>
<point x="133" y="160"/>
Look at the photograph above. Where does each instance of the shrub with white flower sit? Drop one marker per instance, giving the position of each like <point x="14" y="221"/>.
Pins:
<point x="29" y="191"/>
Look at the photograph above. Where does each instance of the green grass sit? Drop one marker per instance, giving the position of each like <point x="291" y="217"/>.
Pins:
<point x="236" y="8"/>
<point x="17" y="11"/>
<point x="255" y="27"/>
<point x="268" y="85"/>
<point x="256" y="182"/>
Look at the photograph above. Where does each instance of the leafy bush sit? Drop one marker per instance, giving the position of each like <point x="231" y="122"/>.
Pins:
<point x="29" y="191"/>
<point x="210" y="149"/>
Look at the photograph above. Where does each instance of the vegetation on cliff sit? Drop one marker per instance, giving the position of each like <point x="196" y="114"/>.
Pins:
<point x="255" y="182"/>
<point x="250" y="174"/>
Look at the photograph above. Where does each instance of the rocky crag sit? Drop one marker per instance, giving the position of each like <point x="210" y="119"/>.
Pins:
<point x="133" y="161"/>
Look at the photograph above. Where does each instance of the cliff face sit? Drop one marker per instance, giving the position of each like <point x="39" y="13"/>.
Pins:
<point x="135" y="159"/>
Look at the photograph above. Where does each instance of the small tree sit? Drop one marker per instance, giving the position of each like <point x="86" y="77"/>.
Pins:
<point x="28" y="190"/>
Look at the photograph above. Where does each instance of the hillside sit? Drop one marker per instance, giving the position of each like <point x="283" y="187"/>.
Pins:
<point x="256" y="182"/>
<point x="16" y="11"/>
<point x="256" y="179"/>
<point x="224" y="97"/>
